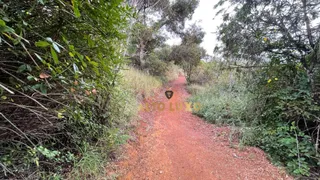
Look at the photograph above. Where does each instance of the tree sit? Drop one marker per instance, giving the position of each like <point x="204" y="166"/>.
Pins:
<point x="188" y="56"/>
<point x="189" y="53"/>
<point x="286" y="30"/>
<point x="146" y="31"/>
<point x="194" y="34"/>
<point x="284" y="36"/>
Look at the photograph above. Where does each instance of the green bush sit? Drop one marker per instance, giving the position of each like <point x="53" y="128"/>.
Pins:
<point x="274" y="108"/>
<point x="289" y="116"/>
<point x="222" y="103"/>
<point x="194" y="89"/>
<point x="289" y="147"/>
<point x="159" y="66"/>
<point x="59" y="83"/>
<point x="156" y="66"/>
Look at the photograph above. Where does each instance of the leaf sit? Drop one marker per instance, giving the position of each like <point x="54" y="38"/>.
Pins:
<point x="56" y="47"/>
<point x="44" y="75"/>
<point x="42" y="44"/>
<point x="54" y="56"/>
<point x="36" y="86"/>
<point x="60" y="116"/>
<point x="88" y="58"/>
<point x="22" y="68"/>
<point x="84" y="64"/>
<point x="93" y="63"/>
<point x="5" y="28"/>
<point x="6" y="19"/>
<point x="39" y="57"/>
<point x="75" y="5"/>
<point x="36" y="160"/>
<point x="2" y="23"/>
<point x="30" y="78"/>
<point x="8" y="29"/>
<point x="43" y="89"/>
<point x="28" y="68"/>
<point x="75" y="68"/>
<point x="41" y="2"/>
<point x="49" y="39"/>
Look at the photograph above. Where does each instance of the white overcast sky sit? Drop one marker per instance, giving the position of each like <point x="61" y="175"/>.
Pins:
<point x="205" y="15"/>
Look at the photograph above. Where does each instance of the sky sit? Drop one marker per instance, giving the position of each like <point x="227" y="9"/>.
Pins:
<point x="204" y="15"/>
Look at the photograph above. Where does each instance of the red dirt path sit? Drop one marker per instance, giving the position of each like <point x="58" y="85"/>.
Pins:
<point x="179" y="145"/>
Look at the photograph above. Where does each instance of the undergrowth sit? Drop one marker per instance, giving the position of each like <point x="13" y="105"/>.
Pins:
<point x="269" y="112"/>
<point x="140" y="83"/>
<point x="63" y="108"/>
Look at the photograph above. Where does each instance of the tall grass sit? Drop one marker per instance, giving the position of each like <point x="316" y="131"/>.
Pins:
<point x="140" y="82"/>
<point x="222" y="103"/>
<point x="225" y="99"/>
<point x="95" y="158"/>
<point x="263" y="113"/>
<point x="172" y="72"/>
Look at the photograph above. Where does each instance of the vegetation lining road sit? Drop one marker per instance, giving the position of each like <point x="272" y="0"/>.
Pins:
<point x="178" y="145"/>
<point x="73" y="71"/>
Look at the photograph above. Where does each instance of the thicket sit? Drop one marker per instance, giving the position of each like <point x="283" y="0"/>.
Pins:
<point x="271" y="88"/>
<point x="270" y="107"/>
<point x="147" y="49"/>
<point x="61" y="103"/>
<point x="67" y="92"/>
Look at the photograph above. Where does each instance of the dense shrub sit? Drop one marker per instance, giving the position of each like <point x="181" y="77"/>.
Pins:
<point x="59" y="83"/>
<point x="194" y="89"/>
<point x="223" y="102"/>
<point x="205" y="73"/>
<point x="173" y="72"/>
<point x="290" y="117"/>
<point x="159" y="65"/>
<point x="274" y="108"/>
<point x="156" y="66"/>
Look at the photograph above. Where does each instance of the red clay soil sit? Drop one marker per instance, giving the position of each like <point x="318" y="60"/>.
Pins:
<point x="179" y="145"/>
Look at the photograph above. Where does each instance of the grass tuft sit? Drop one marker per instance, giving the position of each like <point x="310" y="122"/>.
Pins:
<point x="140" y="82"/>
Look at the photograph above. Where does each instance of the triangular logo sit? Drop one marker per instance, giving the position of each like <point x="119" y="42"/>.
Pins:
<point x="169" y="94"/>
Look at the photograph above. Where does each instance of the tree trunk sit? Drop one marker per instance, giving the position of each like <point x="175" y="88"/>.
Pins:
<point x="141" y="54"/>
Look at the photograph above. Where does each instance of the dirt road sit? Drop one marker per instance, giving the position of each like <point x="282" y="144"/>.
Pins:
<point x="171" y="144"/>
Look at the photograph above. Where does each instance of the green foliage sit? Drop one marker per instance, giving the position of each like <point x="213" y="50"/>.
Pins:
<point x="207" y="73"/>
<point x="59" y="83"/>
<point x="194" y="89"/>
<point x="189" y="53"/>
<point x="175" y="16"/>
<point x="290" y="147"/>
<point x="146" y="36"/>
<point x="187" y="56"/>
<point x="156" y="66"/>
<point x="140" y="83"/>
<point x="293" y="24"/>
<point x="223" y="103"/>
<point x="94" y="158"/>
<point x="274" y="109"/>
<point x="291" y="110"/>
<point x="284" y="45"/>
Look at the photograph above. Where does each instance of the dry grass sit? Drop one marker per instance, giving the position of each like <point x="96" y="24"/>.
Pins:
<point x="140" y="82"/>
<point x="195" y="88"/>
<point x="173" y="72"/>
